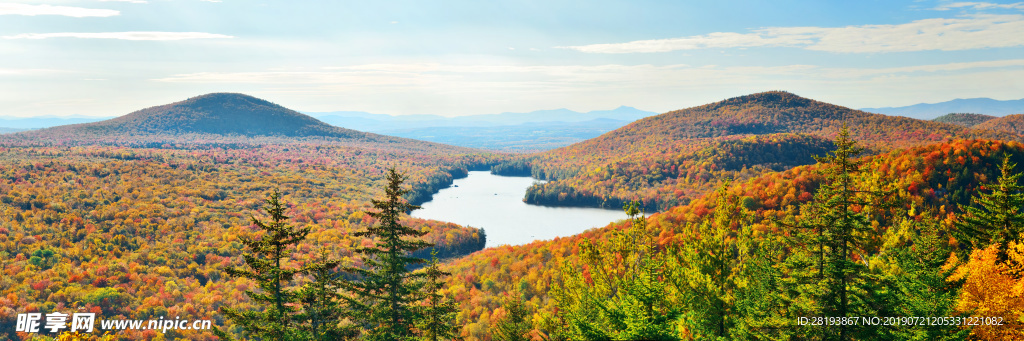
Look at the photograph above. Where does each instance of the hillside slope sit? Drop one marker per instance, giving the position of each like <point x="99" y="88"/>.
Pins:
<point x="223" y="114"/>
<point x="641" y="160"/>
<point x="986" y="106"/>
<point x="964" y="119"/>
<point x="218" y="119"/>
<point x="934" y="179"/>
<point x="1013" y="124"/>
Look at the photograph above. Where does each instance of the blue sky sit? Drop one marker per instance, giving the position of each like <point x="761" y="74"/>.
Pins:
<point x="108" y="58"/>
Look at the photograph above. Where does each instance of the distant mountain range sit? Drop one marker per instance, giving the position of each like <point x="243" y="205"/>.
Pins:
<point x="530" y="131"/>
<point x="927" y="111"/>
<point x="534" y="136"/>
<point x="45" y="122"/>
<point x="365" y="121"/>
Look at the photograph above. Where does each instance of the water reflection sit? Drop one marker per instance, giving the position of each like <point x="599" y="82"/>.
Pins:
<point x="495" y="204"/>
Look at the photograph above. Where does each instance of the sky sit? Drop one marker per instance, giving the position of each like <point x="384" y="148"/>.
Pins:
<point x="453" y="58"/>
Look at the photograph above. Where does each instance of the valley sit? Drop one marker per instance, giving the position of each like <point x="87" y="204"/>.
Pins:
<point x="141" y="216"/>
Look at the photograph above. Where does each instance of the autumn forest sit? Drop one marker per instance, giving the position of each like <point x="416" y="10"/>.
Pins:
<point x="775" y="217"/>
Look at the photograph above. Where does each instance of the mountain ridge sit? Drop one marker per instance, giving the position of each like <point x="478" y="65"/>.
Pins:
<point x="646" y="160"/>
<point x="980" y="105"/>
<point x="381" y="123"/>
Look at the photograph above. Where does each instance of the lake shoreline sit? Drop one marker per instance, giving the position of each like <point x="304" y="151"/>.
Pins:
<point x="495" y="203"/>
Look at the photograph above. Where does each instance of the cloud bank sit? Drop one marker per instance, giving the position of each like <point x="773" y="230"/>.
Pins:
<point x="976" y="31"/>
<point x="33" y="10"/>
<point x="123" y="35"/>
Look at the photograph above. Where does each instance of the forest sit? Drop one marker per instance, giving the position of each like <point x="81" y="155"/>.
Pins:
<point x="146" y="232"/>
<point x="913" y="244"/>
<point x="778" y="218"/>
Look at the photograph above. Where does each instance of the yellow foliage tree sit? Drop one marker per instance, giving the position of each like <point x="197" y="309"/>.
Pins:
<point x="992" y="289"/>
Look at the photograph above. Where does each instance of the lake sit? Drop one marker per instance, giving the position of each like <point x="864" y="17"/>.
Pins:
<point x="495" y="203"/>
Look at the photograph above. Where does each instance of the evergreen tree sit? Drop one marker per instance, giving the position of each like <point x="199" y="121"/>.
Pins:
<point x="622" y="293"/>
<point x="323" y="309"/>
<point x="826" y="280"/>
<point x="438" y="317"/>
<point x="915" y="280"/>
<point x="709" y="263"/>
<point x="1000" y="217"/>
<point x="265" y="263"/>
<point x="516" y="324"/>
<point x="384" y="299"/>
<point x="760" y="307"/>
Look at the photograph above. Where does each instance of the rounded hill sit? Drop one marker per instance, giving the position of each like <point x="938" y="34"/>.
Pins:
<point x="668" y="159"/>
<point x="222" y="114"/>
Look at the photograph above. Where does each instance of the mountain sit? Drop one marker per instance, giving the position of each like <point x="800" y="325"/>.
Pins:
<point x="986" y="106"/>
<point x="45" y="122"/>
<point x="364" y="121"/>
<point x="220" y="114"/>
<point x="5" y="130"/>
<point x="213" y="118"/>
<point x="1011" y="124"/>
<point x="526" y="137"/>
<point x="379" y="123"/>
<point x="531" y="131"/>
<point x="668" y="159"/>
<point x="622" y="113"/>
<point x="964" y="120"/>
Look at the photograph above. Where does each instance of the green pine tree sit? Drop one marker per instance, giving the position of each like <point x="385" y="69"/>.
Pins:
<point x="1000" y="217"/>
<point x="915" y="281"/>
<point x="622" y="293"/>
<point x="266" y="266"/>
<point x="438" y="317"/>
<point x="385" y="297"/>
<point x="826" y="280"/>
<point x="710" y="262"/>
<point x="323" y="310"/>
<point x="517" y="323"/>
<point x="760" y="307"/>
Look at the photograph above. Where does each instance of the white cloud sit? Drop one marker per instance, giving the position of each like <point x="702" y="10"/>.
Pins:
<point x="568" y="75"/>
<point x="131" y="1"/>
<point x="33" y="10"/>
<point x="839" y="73"/>
<point x="18" y="72"/>
<point x="971" y="32"/>
<point x="452" y="89"/>
<point x="979" y="6"/>
<point x="122" y="35"/>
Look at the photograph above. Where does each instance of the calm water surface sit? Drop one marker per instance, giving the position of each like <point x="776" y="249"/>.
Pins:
<point x="495" y="203"/>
